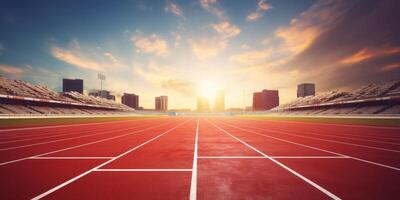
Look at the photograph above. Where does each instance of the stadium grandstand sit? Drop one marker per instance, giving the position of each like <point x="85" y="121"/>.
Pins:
<point x="19" y="97"/>
<point x="374" y="98"/>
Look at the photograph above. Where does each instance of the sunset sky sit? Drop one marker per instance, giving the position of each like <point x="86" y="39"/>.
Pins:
<point x="173" y="48"/>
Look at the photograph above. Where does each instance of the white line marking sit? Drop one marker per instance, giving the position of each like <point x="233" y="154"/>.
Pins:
<point x="103" y="164"/>
<point x="282" y="165"/>
<point x="65" y="139"/>
<point x="326" y="140"/>
<point x="311" y="147"/>
<point x="67" y="158"/>
<point x="193" y="185"/>
<point x="310" y="157"/>
<point x="386" y="137"/>
<point x="69" y="125"/>
<point x="82" y="145"/>
<point x="143" y="170"/>
<point x="230" y="157"/>
<point x="281" y="157"/>
<point x="329" y="124"/>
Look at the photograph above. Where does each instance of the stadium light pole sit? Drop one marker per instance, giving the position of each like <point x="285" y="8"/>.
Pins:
<point x="102" y="78"/>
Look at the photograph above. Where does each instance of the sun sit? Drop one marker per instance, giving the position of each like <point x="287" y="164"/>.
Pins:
<point x="208" y="89"/>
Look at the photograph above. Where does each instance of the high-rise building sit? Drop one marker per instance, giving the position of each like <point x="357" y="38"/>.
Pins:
<point x="219" y="105"/>
<point x="305" y="89"/>
<point x="202" y="104"/>
<point x="161" y="103"/>
<point x="73" y="85"/>
<point x="265" y="100"/>
<point x="131" y="100"/>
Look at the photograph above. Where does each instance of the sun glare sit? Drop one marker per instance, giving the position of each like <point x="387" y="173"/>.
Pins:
<point x="208" y="89"/>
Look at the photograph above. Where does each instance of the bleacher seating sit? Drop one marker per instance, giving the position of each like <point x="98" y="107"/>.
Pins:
<point x="318" y="104"/>
<point x="62" y="103"/>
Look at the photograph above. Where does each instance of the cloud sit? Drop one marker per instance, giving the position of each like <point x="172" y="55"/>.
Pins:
<point x="309" y="25"/>
<point x="73" y="58"/>
<point x="391" y="67"/>
<point x="162" y="76"/>
<point x="365" y="54"/>
<point x="262" y="6"/>
<point x="226" y="30"/>
<point x="206" y="48"/>
<point x="11" y="70"/>
<point x="343" y="43"/>
<point x="210" y="47"/>
<point x="152" y="44"/>
<point x="90" y="59"/>
<point x="251" y="57"/>
<point x="173" y="8"/>
<point x="209" y="6"/>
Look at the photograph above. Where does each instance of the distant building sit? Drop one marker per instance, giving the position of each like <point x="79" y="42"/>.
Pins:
<point x="131" y="100"/>
<point x="265" y="100"/>
<point x="305" y="89"/>
<point x="161" y="103"/>
<point x="202" y="104"/>
<point x="219" y="105"/>
<point x="73" y="85"/>
<point x="102" y="94"/>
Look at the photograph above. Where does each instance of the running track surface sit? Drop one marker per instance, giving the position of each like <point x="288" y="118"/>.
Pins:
<point x="200" y="158"/>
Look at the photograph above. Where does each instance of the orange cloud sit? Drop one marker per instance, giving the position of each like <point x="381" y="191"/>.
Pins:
<point x="73" y="58"/>
<point x="11" y="70"/>
<point x="206" y="48"/>
<point x="391" y="67"/>
<point x="251" y="57"/>
<point x="91" y="59"/>
<point x="173" y="8"/>
<point x="226" y="30"/>
<point x="304" y="29"/>
<point x="365" y="54"/>
<point x="262" y="6"/>
<point x="208" y="5"/>
<point x="151" y="44"/>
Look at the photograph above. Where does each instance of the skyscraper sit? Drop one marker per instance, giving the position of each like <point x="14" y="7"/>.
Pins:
<point x="265" y="100"/>
<point x="131" y="100"/>
<point x="202" y="104"/>
<point x="161" y="103"/>
<point x="219" y="105"/>
<point x="305" y="89"/>
<point x="73" y="85"/>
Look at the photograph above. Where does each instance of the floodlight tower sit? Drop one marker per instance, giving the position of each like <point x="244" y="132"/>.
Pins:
<point x="102" y="78"/>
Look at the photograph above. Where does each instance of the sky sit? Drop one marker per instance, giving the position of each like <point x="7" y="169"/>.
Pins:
<point x="179" y="47"/>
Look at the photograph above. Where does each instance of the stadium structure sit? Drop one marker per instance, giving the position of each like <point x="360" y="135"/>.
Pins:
<point x="382" y="99"/>
<point x="19" y="97"/>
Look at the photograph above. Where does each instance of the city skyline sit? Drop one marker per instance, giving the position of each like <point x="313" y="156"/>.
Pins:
<point x="185" y="48"/>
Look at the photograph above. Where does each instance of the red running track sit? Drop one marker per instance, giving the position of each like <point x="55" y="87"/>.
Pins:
<point x="200" y="158"/>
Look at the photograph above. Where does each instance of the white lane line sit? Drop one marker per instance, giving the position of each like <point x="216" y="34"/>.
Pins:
<point x="320" y="188"/>
<point x="309" y="157"/>
<point x="66" y="134"/>
<point x="282" y="157"/>
<point x="230" y="157"/>
<point x="329" y="124"/>
<point x="102" y="164"/>
<point x="326" y="140"/>
<point x="193" y="185"/>
<point x="69" y="125"/>
<point x="82" y="145"/>
<point x="65" y="139"/>
<point x="143" y="170"/>
<point x="384" y="137"/>
<point x="67" y="158"/>
<point x="315" y="148"/>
